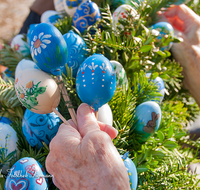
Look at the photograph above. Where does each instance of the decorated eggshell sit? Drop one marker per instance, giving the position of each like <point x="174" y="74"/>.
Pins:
<point x="77" y="51"/>
<point x="148" y="117"/>
<point x="50" y="17"/>
<point x="161" y="86"/>
<point x="131" y="170"/>
<point x="59" y="5"/>
<point x="38" y="128"/>
<point x="86" y="15"/>
<point x="20" y="45"/>
<point x="117" y="3"/>
<point x="122" y="12"/>
<point x="8" y="145"/>
<point x="121" y="78"/>
<point x="48" y="48"/>
<point x="29" y="33"/>
<point x="71" y="6"/>
<point x="5" y="120"/>
<point x="164" y="28"/>
<point x="37" y="91"/>
<point x="25" y="64"/>
<point x="26" y="174"/>
<point x="96" y="81"/>
<point x="105" y="115"/>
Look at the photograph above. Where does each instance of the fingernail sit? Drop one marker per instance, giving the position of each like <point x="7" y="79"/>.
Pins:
<point x="84" y="109"/>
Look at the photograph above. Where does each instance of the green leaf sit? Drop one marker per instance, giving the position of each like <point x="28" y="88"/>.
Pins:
<point x="146" y="48"/>
<point x="161" y="136"/>
<point x="158" y="154"/>
<point x="170" y="133"/>
<point x="179" y="135"/>
<point x="142" y="168"/>
<point x="170" y="144"/>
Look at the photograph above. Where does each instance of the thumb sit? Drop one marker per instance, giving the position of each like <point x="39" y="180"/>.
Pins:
<point x="88" y="123"/>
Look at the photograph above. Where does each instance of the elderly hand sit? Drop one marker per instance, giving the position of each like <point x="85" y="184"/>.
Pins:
<point x="187" y="26"/>
<point x="84" y="157"/>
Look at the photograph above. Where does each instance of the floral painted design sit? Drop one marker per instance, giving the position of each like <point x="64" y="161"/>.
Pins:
<point x="39" y="42"/>
<point x="28" y="96"/>
<point x="73" y="3"/>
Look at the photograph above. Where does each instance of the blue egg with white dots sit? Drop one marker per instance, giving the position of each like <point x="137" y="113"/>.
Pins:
<point x="131" y="170"/>
<point x="38" y="128"/>
<point x="76" y="51"/>
<point x="96" y="81"/>
<point x="86" y="15"/>
<point x="164" y="28"/>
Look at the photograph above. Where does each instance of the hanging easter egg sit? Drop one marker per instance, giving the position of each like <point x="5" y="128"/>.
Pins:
<point x="96" y="81"/>
<point x="121" y="78"/>
<point x="105" y="115"/>
<point x="77" y="51"/>
<point x="165" y="29"/>
<point x="48" y="48"/>
<point x="122" y="12"/>
<point x="117" y="3"/>
<point x="50" y="17"/>
<point x="71" y="6"/>
<point x="37" y="91"/>
<point x="86" y="15"/>
<point x="29" y="33"/>
<point x="131" y="170"/>
<point x="147" y="117"/>
<point x="38" y="128"/>
<point x="19" y="44"/>
<point x="25" y="64"/>
<point x="26" y="174"/>
<point x="8" y="145"/>
<point x="59" y="5"/>
<point x="161" y="86"/>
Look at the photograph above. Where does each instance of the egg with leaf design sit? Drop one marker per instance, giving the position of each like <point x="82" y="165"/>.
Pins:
<point x="38" y="128"/>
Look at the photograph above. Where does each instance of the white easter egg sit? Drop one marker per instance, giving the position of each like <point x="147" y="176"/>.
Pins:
<point x="50" y="17"/>
<point x="122" y="12"/>
<point x="105" y="115"/>
<point x="8" y="145"/>
<point x="20" y="45"/>
<point x="59" y="5"/>
<point x="25" y="64"/>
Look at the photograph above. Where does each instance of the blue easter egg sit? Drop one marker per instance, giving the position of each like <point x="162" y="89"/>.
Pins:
<point x="48" y="48"/>
<point x="131" y="170"/>
<point x="164" y="28"/>
<point x="86" y="15"/>
<point x="96" y="81"/>
<point x="26" y="174"/>
<point x="25" y="64"/>
<point x="77" y="51"/>
<point x="8" y="144"/>
<point x="160" y="83"/>
<point x="5" y="120"/>
<point x="148" y="117"/>
<point x="29" y="32"/>
<point x="50" y="17"/>
<point x="38" y="128"/>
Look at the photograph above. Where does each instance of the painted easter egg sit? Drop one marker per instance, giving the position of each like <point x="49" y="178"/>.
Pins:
<point x="131" y="170"/>
<point x="8" y="145"/>
<point x="147" y="119"/>
<point x="71" y="6"/>
<point x="96" y="81"/>
<point x="37" y="91"/>
<point x="59" y="5"/>
<point x="48" y="48"/>
<point x="5" y="120"/>
<point x="160" y="83"/>
<point x="105" y="115"/>
<point x="122" y="12"/>
<point x="164" y="28"/>
<point x="86" y="15"/>
<point x="38" y="128"/>
<point x="29" y="33"/>
<point x="121" y="78"/>
<point x="25" y="64"/>
<point x="117" y="3"/>
<point x="19" y="44"/>
<point x="50" y="17"/>
<point x="77" y="51"/>
<point x="26" y="174"/>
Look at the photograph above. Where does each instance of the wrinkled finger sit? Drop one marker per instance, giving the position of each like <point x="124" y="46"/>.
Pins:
<point x="111" y="131"/>
<point x="86" y="120"/>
